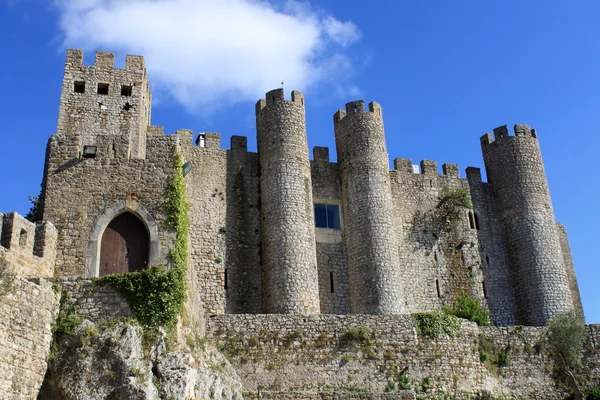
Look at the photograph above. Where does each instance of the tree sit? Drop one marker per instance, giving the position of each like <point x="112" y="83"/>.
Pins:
<point x="34" y="212"/>
<point x="566" y="336"/>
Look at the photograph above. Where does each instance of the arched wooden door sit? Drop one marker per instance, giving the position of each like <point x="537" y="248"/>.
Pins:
<point x="124" y="246"/>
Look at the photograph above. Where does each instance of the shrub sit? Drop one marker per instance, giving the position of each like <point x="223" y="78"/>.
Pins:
<point x="357" y="335"/>
<point x="433" y="324"/>
<point x="468" y="307"/>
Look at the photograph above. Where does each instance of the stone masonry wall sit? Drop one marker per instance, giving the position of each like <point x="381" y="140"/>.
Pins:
<point x="565" y="249"/>
<point x="26" y="318"/>
<point x="331" y="259"/>
<point x="29" y="248"/>
<point x="437" y="266"/>
<point x="95" y="303"/>
<point x="222" y="190"/>
<point x="296" y="355"/>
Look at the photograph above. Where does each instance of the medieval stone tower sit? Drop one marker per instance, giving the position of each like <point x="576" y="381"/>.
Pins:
<point x="288" y="233"/>
<point x="516" y="172"/>
<point x="369" y="234"/>
<point x="273" y="231"/>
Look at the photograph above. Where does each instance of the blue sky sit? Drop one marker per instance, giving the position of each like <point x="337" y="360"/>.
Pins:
<point x="445" y="72"/>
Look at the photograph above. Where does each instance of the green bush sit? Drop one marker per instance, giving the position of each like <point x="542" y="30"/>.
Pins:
<point x="357" y="335"/>
<point x="468" y="307"/>
<point x="434" y="324"/>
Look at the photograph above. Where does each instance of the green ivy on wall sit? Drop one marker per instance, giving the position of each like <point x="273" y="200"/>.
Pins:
<point x="156" y="295"/>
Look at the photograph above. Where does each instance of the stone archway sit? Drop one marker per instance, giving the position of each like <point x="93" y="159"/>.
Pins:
<point x="135" y="210"/>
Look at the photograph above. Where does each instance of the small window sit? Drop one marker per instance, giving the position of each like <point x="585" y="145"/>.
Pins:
<point x="437" y="288"/>
<point x="327" y="216"/>
<point x="471" y="220"/>
<point x="103" y="88"/>
<point x="331" y="288"/>
<point x="79" y="87"/>
<point x="23" y="238"/>
<point x="476" y="220"/>
<point x="125" y="90"/>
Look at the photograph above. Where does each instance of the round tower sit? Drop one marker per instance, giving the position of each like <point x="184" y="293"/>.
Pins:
<point x="369" y="233"/>
<point x="289" y="255"/>
<point x="516" y="173"/>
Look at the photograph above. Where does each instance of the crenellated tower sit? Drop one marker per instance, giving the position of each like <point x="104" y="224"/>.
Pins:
<point x="290" y="277"/>
<point x="100" y="100"/>
<point x="369" y="233"/>
<point x="532" y="247"/>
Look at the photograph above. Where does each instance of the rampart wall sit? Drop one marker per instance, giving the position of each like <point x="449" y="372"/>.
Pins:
<point x="29" y="248"/>
<point x="26" y="316"/>
<point x="295" y="355"/>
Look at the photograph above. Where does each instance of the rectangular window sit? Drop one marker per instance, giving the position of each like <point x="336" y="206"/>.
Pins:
<point x="103" y="88"/>
<point x="125" y="90"/>
<point x="327" y="216"/>
<point x="79" y="87"/>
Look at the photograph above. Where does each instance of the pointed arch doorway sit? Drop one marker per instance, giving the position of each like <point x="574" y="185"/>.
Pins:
<point x="125" y="245"/>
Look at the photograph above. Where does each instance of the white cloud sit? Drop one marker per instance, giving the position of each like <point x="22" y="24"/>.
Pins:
<point x="205" y="51"/>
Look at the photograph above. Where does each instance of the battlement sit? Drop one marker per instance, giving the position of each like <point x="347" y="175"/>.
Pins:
<point x="104" y="60"/>
<point x="29" y="248"/>
<point x="501" y="133"/>
<point x="321" y="154"/>
<point x="357" y="107"/>
<point x="430" y="167"/>
<point x="277" y="96"/>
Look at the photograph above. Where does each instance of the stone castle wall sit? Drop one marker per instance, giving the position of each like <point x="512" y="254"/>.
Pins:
<point x="309" y="354"/>
<point x="28" y="248"/>
<point x="26" y="319"/>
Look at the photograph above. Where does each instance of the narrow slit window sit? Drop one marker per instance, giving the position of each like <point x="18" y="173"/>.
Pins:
<point x="23" y="238"/>
<point x="476" y="220"/>
<point x="103" y="88"/>
<point x="331" y="287"/>
<point x="435" y="256"/>
<point x="79" y="87"/>
<point x="126" y="90"/>
<point x="483" y="287"/>
<point x="437" y="288"/>
<point x="471" y="220"/>
<point x="225" y="279"/>
<point x="327" y="216"/>
<point x="487" y="259"/>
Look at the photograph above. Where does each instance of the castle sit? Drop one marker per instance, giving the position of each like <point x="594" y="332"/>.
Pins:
<point x="274" y="232"/>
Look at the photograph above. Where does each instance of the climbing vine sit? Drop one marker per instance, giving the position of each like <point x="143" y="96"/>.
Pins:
<point x="449" y="208"/>
<point x="156" y="295"/>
